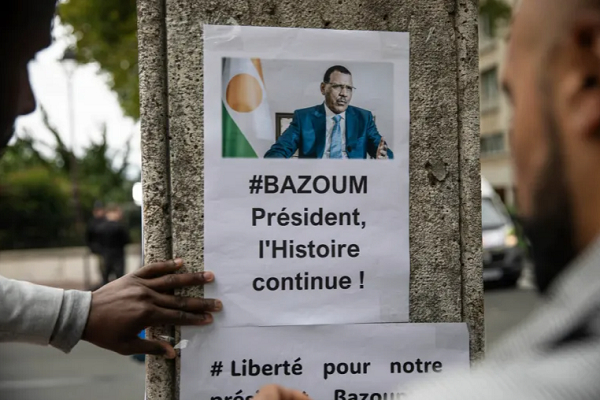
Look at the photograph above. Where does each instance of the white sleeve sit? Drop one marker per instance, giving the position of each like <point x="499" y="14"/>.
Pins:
<point x="42" y="315"/>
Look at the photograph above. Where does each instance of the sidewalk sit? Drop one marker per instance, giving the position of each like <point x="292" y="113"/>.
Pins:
<point x="68" y="268"/>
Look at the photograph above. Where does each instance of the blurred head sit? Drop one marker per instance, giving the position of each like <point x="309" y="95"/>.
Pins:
<point x="113" y="212"/>
<point x="26" y="25"/>
<point x="98" y="210"/>
<point x="337" y="88"/>
<point x="552" y="78"/>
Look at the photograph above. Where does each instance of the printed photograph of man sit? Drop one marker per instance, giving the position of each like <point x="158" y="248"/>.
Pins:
<point x="333" y="129"/>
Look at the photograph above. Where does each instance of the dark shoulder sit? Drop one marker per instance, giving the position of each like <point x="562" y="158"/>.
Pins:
<point x="308" y="110"/>
<point x="110" y="226"/>
<point x="95" y="221"/>
<point x="360" y="111"/>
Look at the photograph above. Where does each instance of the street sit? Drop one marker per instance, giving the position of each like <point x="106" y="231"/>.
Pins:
<point x="504" y="309"/>
<point x="88" y="373"/>
<point x="34" y="373"/>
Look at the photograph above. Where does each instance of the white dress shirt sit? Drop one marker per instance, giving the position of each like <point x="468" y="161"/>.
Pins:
<point x="329" y="129"/>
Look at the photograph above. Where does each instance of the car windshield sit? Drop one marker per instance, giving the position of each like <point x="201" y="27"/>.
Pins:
<point x="491" y="216"/>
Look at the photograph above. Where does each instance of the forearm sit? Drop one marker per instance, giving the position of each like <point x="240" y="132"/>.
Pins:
<point x="41" y="315"/>
<point x="278" y="151"/>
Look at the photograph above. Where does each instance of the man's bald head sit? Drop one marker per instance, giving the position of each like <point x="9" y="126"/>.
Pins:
<point x="552" y="76"/>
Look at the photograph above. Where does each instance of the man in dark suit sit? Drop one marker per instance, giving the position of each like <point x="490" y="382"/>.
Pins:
<point x="113" y="237"/>
<point x="334" y="129"/>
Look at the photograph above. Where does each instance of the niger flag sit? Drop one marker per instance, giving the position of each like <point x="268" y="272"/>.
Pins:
<point x="247" y="121"/>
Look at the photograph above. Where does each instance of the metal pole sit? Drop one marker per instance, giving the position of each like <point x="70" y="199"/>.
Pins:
<point x="73" y="170"/>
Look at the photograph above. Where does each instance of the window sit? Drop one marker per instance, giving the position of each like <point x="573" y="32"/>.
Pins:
<point x="486" y="28"/>
<point x="492" y="144"/>
<point x="489" y="89"/>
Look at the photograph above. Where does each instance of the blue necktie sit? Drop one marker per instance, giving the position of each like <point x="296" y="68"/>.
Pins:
<point x="336" y="138"/>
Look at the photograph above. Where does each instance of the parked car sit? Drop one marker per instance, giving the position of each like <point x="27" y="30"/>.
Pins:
<point x="503" y="258"/>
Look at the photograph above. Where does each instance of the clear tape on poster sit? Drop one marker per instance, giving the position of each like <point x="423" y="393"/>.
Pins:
<point x="177" y="346"/>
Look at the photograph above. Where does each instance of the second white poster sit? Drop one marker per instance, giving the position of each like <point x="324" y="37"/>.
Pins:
<point x="306" y="175"/>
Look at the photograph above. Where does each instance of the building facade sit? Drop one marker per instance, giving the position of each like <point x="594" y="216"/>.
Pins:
<point x="496" y="166"/>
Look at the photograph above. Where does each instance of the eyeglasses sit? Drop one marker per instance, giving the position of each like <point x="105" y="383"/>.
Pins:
<point x="338" y="87"/>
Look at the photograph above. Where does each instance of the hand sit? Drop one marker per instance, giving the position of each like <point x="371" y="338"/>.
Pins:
<point x="382" y="150"/>
<point x="274" y="392"/>
<point x="123" y="308"/>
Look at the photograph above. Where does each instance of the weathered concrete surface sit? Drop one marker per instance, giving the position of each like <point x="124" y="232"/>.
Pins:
<point x="155" y="169"/>
<point x="444" y="145"/>
<point x="186" y="122"/>
<point x="470" y="176"/>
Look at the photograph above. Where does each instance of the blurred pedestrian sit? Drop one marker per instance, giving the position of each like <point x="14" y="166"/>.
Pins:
<point x="552" y="79"/>
<point x="92" y="238"/>
<point x="113" y="316"/>
<point x="113" y="237"/>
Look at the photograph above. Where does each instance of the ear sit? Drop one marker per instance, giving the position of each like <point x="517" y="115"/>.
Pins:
<point x="582" y="86"/>
<point x="323" y="88"/>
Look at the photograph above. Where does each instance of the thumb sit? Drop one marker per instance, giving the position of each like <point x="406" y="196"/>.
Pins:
<point x="152" y="347"/>
<point x="274" y="392"/>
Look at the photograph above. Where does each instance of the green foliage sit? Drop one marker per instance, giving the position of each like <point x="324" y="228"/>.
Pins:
<point x="106" y="32"/>
<point x="100" y="177"/>
<point x="36" y="191"/>
<point x="35" y="208"/>
<point x="22" y="155"/>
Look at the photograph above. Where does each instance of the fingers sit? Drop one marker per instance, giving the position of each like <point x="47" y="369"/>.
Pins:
<point x="164" y="316"/>
<point x="188" y="304"/>
<point x="178" y="281"/>
<point x="153" y="347"/>
<point x="159" y="269"/>
<point x="274" y="392"/>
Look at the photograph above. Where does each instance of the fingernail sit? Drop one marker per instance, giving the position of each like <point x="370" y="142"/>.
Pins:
<point x="178" y="262"/>
<point x="205" y="319"/>
<point x="218" y="305"/>
<point x="208" y="276"/>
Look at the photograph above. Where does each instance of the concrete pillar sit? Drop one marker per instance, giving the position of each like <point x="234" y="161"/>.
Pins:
<point x="445" y="198"/>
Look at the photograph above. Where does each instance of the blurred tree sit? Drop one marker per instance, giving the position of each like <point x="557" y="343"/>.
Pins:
<point x="98" y="174"/>
<point x="36" y="189"/>
<point x="496" y="11"/>
<point x="34" y="201"/>
<point x="106" y="32"/>
<point x="23" y="155"/>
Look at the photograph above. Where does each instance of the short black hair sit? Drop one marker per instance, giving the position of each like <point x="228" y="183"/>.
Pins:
<point x="331" y="70"/>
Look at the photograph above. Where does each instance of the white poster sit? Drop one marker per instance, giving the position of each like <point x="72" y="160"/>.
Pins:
<point x="328" y="362"/>
<point x="306" y="175"/>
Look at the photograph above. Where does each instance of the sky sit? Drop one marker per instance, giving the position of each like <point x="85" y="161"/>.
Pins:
<point x="93" y="104"/>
